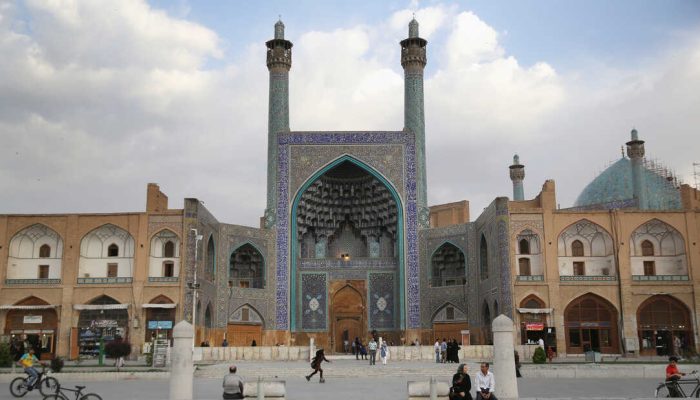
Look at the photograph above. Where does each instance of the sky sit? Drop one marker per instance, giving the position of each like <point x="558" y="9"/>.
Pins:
<point x="98" y="98"/>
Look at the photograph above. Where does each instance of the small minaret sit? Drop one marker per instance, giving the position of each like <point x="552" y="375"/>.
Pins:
<point x="635" y="151"/>
<point x="413" y="61"/>
<point x="517" y="174"/>
<point x="279" y="62"/>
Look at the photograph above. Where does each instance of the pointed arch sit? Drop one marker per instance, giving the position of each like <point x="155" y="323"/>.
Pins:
<point x="294" y="249"/>
<point x="252" y="316"/>
<point x="664" y="325"/>
<point x="211" y="257"/>
<point x="532" y="301"/>
<point x="586" y="249"/>
<point x="27" y="243"/>
<point x="483" y="258"/>
<point x="441" y="313"/>
<point x="658" y="249"/>
<point x="161" y="299"/>
<point x="448" y="265"/>
<point x="591" y="323"/>
<point x="247" y="266"/>
<point x="208" y="316"/>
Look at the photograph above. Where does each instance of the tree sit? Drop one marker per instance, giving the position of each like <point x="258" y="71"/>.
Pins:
<point x="5" y="356"/>
<point x="539" y="357"/>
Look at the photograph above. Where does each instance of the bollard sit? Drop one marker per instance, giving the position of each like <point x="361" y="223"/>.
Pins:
<point x="261" y="394"/>
<point x="433" y="389"/>
<point x="504" y="358"/>
<point x="312" y="349"/>
<point x="181" y="366"/>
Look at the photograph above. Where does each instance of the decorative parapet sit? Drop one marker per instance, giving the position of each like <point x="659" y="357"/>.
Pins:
<point x="32" y="281"/>
<point x="121" y="279"/>
<point x="659" y="278"/>
<point x="168" y="279"/>
<point x="576" y="278"/>
<point x="530" y="278"/>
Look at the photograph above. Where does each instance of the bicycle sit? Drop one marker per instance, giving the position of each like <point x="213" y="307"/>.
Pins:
<point x="61" y="395"/>
<point x="46" y="384"/>
<point x="663" y="391"/>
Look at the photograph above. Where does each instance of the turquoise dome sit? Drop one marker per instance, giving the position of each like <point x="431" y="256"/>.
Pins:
<point x="614" y="185"/>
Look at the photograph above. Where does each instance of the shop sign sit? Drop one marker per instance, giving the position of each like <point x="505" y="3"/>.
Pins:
<point x="534" y="326"/>
<point x="160" y="324"/>
<point x="32" y="319"/>
<point x="104" y="323"/>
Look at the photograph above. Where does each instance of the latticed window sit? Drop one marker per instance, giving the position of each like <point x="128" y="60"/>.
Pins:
<point x="169" y="249"/>
<point x="647" y="248"/>
<point x="483" y="258"/>
<point x="45" y="251"/>
<point x="524" y="246"/>
<point x="577" y="248"/>
<point x="113" y="250"/>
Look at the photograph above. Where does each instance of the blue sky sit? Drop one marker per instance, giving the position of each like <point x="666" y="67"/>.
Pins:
<point x="99" y="97"/>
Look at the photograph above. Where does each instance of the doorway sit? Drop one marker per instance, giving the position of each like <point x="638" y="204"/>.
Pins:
<point x="347" y="316"/>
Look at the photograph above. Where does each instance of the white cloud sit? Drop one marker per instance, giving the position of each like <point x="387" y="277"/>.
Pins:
<point x="98" y="98"/>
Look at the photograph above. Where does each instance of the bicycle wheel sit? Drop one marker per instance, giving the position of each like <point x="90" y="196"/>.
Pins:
<point x="56" y="397"/>
<point x="91" y="396"/>
<point x="18" y="387"/>
<point x="48" y="386"/>
<point x="661" y="391"/>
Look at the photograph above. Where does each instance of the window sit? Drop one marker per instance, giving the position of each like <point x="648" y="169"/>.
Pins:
<point x="211" y="257"/>
<point x="112" y="270"/>
<point x="43" y="272"/>
<point x="245" y="314"/>
<point x="579" y="268"/>
<point x="649" y="268"/>
<point x="577" y="248"/>
<point x="244" y="283"/>
<point x="450" y="313"/>
<point x="524" y="246"/>
<point x="647" y="249"/>
<point x="45" y="251"/>
<point x="113" y="250"/>
<point x="168" y="269"/>
<point x="169" y="249"/>
<point x="524" y="264"/>
<point x="484" y="258"/>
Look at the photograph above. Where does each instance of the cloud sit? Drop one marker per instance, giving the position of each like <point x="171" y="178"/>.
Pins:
<point x="98" y="98"/>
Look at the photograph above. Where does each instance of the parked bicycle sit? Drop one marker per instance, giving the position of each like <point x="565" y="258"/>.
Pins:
<point x="60" y="394"/>
<point x="46" y="384"/>
<point x="665" y="389"/>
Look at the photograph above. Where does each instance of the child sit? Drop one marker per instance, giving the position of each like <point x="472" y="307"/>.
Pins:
<point x="316" y="365"/>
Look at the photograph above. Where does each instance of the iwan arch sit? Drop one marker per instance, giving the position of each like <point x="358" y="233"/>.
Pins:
<point x="348" y="245"/>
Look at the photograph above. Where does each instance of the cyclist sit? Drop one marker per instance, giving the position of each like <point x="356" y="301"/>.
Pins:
<point x="27" y="361"/>
<point x="672" y="377"/>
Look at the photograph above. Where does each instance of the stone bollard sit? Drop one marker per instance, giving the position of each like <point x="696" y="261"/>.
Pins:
<point x="261" y="392"/>
<point x="181" y="367"/>
<point x="433" y="389"/>
<point x="504" y="358"/>
<point x="312" y="349"/>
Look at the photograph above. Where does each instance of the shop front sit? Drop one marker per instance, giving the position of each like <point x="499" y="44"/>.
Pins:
<point x="533" y="324"/>
<point x="664" y="327"/>
<point x="160" y="319"/>
<point x="100" y="322"/>
<point x="591" y="325"/>
<point x="34" y="323"/>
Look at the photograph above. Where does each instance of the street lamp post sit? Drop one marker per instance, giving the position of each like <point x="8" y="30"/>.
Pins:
<point x="194" y="285"/>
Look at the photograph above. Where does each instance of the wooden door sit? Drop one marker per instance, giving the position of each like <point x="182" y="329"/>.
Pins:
<point x="449" y="330"/>
<point x="244" y="334"/>
<point x="346" y="328"/>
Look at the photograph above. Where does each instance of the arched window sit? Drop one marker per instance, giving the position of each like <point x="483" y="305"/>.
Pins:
<point x="483" y="258"/>
<point x="661" y="319"/>
<point x="591" y="324"/>
<point x="247" y="267"/>
<point x="577" y="248"/>
<point x="113" y="250"/>
<point x="45" y="251"/>
<point x="211" y="257"/>
<point x="169" y="249"/>
<point x="647" y="249"/>
<point x="524" y="246"/>
<point x="207" y="316"/>
<point x="486" y="322"/>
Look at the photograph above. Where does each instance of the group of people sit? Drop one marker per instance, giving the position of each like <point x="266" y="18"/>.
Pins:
<point x="360" y="351"/>
<point x="446" y="351"/>
<point x="462" y="384"/>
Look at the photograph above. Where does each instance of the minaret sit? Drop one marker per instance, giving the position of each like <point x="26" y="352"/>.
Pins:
<point x="413" y="60"/>
<point x="517" y="174"/>
<point x="279" y="62"/>
<point x="635" y="151"/>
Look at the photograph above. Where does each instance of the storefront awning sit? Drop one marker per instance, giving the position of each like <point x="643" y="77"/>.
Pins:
<point x="34" y="307"/>
<point x="154" y="305"/>
<point x="535" y="310"/>
<point x="100" y="306"/>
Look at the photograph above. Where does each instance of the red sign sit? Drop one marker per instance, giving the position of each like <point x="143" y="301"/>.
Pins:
<point x="534" y="326"/>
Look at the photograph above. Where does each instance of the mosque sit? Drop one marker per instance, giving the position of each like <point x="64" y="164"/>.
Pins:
<point x="349" y="245"/>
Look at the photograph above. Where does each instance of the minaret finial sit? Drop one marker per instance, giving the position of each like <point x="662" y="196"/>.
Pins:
<point x="279" y="29"/>
<point x="413" y="28"/>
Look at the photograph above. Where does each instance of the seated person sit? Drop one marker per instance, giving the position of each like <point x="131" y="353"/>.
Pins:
<point x="233" y="384"/>
<point x="461" y="384"/>
<point x="485" y="383"/>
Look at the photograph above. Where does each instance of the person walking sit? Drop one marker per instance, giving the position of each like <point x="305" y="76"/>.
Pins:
<point x="384" y="352"/>
<point x="356" y="345"/>
<point x="461" y="384"/>
<point x="233" y="384"/>
<point x="372" y="347"/>
<point x="485" y="383"/>
<point x="436" y="347"/>
<point x="316" y="365"/>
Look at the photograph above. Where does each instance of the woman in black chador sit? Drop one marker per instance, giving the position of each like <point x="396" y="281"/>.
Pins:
<point x="461" y="384"/>
<point x="316" y="365"/>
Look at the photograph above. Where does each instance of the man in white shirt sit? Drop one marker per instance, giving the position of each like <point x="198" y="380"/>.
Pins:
<point x="540" y="343"/>
<point x="437" y="350"/>
<point x="485" y="383"/>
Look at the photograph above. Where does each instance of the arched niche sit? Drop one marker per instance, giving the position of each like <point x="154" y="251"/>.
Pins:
<point x="596" y="260"/>
<point x="35" y="254"/>
<point x="164" y="260"/>
<point x="528" y="254"/>
<point x="448" y="266"/>
<point x="658" y="250"/>
<point x="247" y="267"/>
<point x="664" y="326"/>
<point x="98" y="262"/>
